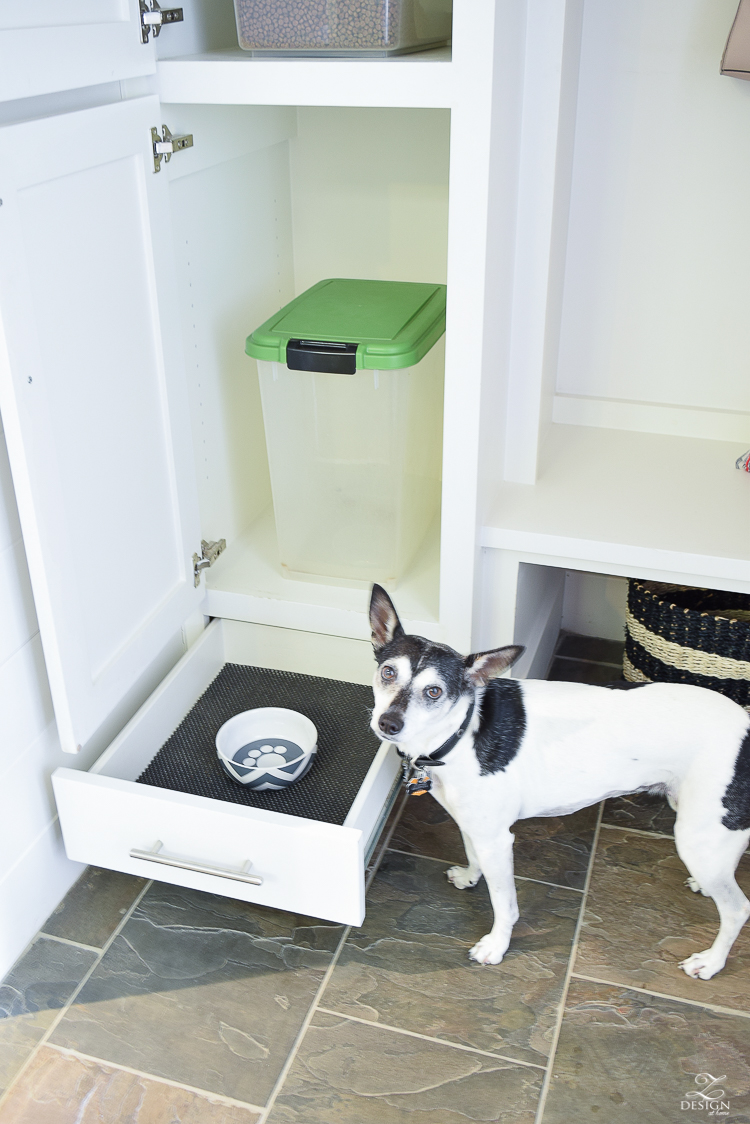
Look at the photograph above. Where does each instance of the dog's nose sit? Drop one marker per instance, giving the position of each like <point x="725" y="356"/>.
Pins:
<point x="390" y="724"/>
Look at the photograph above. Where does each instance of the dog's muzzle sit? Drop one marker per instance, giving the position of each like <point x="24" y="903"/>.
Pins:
<point x="390" y="724"/>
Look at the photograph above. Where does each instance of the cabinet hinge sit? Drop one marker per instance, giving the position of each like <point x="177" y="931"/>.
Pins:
<point x="166" y="144"/>
<point x="210" y="551"/>
<point x="153" y="18"/>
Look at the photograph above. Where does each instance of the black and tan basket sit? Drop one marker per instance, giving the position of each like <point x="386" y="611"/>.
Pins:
<point x="678" y="634"/>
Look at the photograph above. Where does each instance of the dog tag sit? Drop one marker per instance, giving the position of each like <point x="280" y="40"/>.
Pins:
<point x="419" y="784"/>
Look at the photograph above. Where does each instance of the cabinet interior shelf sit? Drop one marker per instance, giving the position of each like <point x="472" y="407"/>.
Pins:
<point x="246" y="583"/>
<point x="234" y="77"/>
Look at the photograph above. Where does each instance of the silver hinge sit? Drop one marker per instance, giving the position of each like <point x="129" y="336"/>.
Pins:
<point x="210" y="551"/>
<point x="166" y="144"/>
<point x="153" y="18"/>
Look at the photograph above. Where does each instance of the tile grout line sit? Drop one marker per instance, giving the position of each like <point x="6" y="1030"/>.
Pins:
<point x="582" y="659"/>
<point x="417" y="855"/>
<point x="521" y="877"/>
<point x="664" y="995"/>
<point x="315" y="1006"/>
<point x="64" y="940"/>
<point x="637" y="831"/>
<point x="429" y="1038"/>
<point x="324" y="982"/>
<point x="19" y="958"/>
<point x="66" y="1007"/>
<point x="67" y="1051"/>
<point x="542" y="882"/>
<point x="569" y="973"/>
<point x="303" y="1029"/>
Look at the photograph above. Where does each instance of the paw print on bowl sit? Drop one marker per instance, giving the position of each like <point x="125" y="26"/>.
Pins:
<point x="273" y="758"/>
<point x="266" y="755"/>
<point x="270" y="756"/>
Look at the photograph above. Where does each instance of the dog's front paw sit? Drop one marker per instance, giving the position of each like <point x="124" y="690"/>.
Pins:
<point x="695" y="887"/>
<point x="703" y="965"/>
<point x="490" y="950"/>
<point x="462" y="877"/>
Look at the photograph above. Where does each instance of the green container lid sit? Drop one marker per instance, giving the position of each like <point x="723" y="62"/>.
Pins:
<point x="392" y="323"/>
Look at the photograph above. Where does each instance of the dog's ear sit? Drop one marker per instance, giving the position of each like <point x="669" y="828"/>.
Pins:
<point x="483" y="666"/>
<point x="384" y="620"/>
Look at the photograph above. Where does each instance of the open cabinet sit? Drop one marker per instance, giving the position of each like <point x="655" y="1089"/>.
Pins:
<point x="317" y="192"/>
<point x="133" y="417"/>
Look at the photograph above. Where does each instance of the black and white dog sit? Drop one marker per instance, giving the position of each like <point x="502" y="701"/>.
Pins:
<point x="500" y="750"/>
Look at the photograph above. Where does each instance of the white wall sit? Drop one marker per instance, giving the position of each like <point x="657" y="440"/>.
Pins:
<point x="657" y="283"/>
<point x="594" y="604"/>
<point x="539" y="603"/>
<point x="370" y="194"/>
<point x="208" y="25"/>
<point x="34" y="872"/>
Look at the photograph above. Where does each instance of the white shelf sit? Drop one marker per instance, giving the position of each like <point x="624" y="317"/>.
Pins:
<point x="637" y="504"/>
<point x="246" y="584"/>
<point x="234" y="77"/>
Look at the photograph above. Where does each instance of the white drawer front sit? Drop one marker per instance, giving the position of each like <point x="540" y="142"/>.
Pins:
<point x="306" y="866"/>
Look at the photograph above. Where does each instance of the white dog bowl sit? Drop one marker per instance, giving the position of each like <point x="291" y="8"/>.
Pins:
<point x="267" y="748"/>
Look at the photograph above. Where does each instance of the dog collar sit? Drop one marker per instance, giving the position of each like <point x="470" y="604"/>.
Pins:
<point x="436" y="757"/>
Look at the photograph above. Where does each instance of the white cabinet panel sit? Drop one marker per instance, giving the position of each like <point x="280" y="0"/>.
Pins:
<point x="10" y="527"/>
<point x="93" y="400"/>
<point x="50" y="45"/>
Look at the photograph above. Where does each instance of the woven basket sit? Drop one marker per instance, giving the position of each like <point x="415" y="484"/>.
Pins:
<point x="677" y="634"/>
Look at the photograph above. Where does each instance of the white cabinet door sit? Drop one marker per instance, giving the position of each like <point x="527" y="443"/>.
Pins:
<point x="93" y="400"/>
<point x="51" y="45"/>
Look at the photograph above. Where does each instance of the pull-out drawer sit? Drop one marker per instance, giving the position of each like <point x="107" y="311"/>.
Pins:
<point x="291" y="862"/>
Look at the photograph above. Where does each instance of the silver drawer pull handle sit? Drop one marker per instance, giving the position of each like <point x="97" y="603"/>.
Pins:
<point x="155" y="856"/>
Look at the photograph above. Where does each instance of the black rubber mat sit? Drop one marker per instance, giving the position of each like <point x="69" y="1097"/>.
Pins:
<point x="187" y="762"/>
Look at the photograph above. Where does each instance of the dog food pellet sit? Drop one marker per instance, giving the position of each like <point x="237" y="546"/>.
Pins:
<point x="354" y="25"/>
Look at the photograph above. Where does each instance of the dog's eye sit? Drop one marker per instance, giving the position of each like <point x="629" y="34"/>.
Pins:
<point x="433" y="692"/>
<point x="388" y="672"/>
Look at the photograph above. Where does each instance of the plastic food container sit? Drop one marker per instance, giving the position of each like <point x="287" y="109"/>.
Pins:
<point x="342" y="27"/>
<point x="351" y="379"/>
<point x="267" y="748"/>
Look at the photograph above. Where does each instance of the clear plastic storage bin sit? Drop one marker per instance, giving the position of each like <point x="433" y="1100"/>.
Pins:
<point x="354" y="458"/>
<point x="342" y="27"/>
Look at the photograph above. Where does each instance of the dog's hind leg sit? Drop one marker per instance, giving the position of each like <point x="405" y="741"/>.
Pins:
<point x="496" y="860"/>
<point x="463" y="877"/>
<point x="711" y="856"/>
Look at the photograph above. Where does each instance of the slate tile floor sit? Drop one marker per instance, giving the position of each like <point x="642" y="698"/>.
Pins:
<point x="144" y="1003"/>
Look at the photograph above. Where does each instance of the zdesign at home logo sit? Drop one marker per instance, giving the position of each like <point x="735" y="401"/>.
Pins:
<point x="708" y="1097"/>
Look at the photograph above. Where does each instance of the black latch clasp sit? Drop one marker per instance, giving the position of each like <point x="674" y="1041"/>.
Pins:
<point x="316" y="355"/>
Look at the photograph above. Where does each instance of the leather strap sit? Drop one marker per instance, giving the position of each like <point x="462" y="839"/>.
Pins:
<point x="435" y="758"/>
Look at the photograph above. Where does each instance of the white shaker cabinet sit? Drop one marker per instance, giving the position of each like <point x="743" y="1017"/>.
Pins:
<point x="93" y="401"/>
<point x="98" y="300"/>
<point x="111" y="271"/>
<point x="52" y="45"/>
<point x="133" y="418"/>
